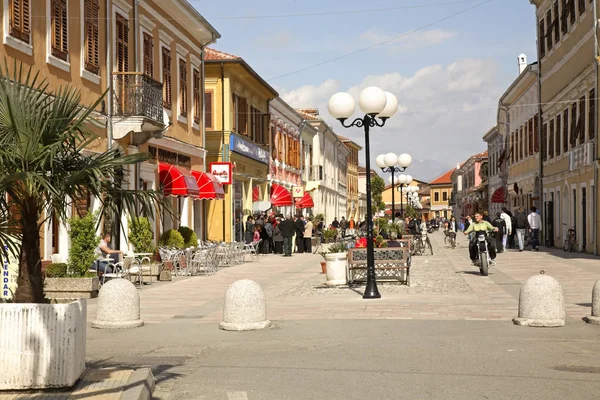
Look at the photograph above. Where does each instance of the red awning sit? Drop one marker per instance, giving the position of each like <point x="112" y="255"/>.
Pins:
<point x="256" y="194"/>
<point x="499" y="196"/>
<point x="209" y="187"/>
<point x="305" y="202"/>
<point x="280" y="196"/>
<point x="177" y="181"/>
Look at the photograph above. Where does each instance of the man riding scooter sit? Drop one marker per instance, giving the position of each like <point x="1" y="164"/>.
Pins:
<point x="477" y="226"/>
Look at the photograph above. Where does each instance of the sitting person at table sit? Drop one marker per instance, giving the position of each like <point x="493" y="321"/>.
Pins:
<point x="103" y="252"/>
<point x="393" y="242"/>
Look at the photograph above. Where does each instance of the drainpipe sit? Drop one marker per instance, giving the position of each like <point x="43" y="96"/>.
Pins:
<point x="109" y="133"/>
<point x="223" y="135"/>
<point x="541" y="140"/>
<point x="595" y="193"/>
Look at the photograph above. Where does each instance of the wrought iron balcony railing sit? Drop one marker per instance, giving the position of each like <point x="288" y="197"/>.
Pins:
<point x="137" y="95"/>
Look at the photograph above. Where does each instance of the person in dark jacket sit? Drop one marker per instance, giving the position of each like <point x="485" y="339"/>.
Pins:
<point x="300" y="234"/>
<point x="249" y="229"/>
<point x="278" y="238"/>
<point x="521" y="226"/>
<point x="501" y="225"/>
<point x="287" y="228"/>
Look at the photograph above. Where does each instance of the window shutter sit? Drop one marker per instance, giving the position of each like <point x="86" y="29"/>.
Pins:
<point x="243" y="116"/>
<point x="581" y="122"/>
<point x="521" y="144"/>
<point x="549" y="27"/>
<point x="166" y="56"/>
<point x="581" y="6"/>
<point x="542" y="37"/>
<point x="572" y="11"/>
<point x="573" y="140"/>
<point x="148" y="55"/>
<point x="565" y="138"/>
<point x="82" y="204"/>
<point x="592" y="115"/>
<point x="58" y="9"/>
<point x="551" y="139"/>
<point x="183" y="92"/>
<point x="557" y="139"/>
<point x="19" y="19"/>
<point x="556" y="22"/>
<point x="122" y="44"/>
<point x="536" y="137"/>
<point x="544" y="142"/>
<point x="564" y="16"/>
<point x="198" y="103"/>
<point x="208" y="109"/>
<point x="92" y="53"/>
<point x="530" y="137"/>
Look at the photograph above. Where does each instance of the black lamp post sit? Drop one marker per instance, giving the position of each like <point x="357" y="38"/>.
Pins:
<point x="405" y="181"/>
<point x="392" y="163"/>
<point x="378" y="106"/>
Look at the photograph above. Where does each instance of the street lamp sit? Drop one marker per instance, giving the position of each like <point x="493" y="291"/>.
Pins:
<point x="374" y="103"/>
<point x="404" y="181"/>
<point x="390" y="162"/>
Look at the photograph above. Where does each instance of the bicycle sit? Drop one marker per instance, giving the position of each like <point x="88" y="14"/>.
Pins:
<point x="570" y="243"/>
<point x="450" y="239"/>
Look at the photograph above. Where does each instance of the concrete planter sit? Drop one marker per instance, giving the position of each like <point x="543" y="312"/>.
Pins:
<point x="336" y="269"/>
<point x="42" y="345"/>
<point x="71" y="288"/>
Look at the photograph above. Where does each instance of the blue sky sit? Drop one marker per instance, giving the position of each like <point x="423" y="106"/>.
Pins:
<point x="448" y="75"/>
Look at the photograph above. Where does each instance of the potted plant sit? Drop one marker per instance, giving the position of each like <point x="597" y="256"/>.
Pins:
<point x="45" y="168"/>
<point x="336" y="268"/>
<point x="329" y="235"/>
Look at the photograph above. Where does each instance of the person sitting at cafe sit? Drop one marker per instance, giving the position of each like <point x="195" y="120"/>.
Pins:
<point x="103" y="252"/>
<point x="393" y="242"/>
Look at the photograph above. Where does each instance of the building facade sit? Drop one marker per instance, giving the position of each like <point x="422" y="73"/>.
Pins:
<point x="440" y="193"/>
<point x="352" y="182"/>
<point x="150" y="105"/>
<point x="568" y="128"/>
<point x="496" y="185"/>
<point x="469" y="186"/>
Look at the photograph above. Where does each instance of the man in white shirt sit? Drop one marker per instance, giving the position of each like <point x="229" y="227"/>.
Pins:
<point x="506" y="218"/>
<point x="535" y="224"/>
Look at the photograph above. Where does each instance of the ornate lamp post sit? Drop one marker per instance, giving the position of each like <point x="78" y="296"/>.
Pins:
<point x="377" y="107"/>
<point x="404" y="181"/>
<point x="390" y="162"/>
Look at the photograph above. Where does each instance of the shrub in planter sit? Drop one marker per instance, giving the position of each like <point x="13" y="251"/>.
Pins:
<point x="140" y="235"/>
<point x="329" y="234"/>
<point x="172" y="238"/>
<point x="84" y="241"/>
<point x="59" y="270"/>
<point x="189" y="237"/>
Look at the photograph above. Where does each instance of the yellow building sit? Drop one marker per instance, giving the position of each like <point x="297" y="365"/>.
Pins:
<point x="567" y="65"/>
<point x="440" y="193"/>
<point x="238" y="126"/>
<point x="352" y="177"/>
<point x="400" y="198"/>
<point x="148" y="59"/>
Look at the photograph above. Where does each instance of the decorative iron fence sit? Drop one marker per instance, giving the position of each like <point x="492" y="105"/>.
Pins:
<point x="136" y="94"/>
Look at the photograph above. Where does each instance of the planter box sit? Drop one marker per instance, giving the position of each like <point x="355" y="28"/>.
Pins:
<point x="336" y="269"/>
<point x="71" y="288"/>
<point x="42" y="345"/>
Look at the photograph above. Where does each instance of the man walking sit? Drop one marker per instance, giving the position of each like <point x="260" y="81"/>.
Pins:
<point x="508" y="225"/>
<point x="300" y="234"/>
<point x="522" y="226"/>
<point x="535" y="224"/>
<point x="500" y="236"/>
<point x="287" y="228"/>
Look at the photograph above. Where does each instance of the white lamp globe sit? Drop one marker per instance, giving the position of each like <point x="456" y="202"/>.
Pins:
<point x="417" y="188"/>
<point x="380" y="161"/>
<point x="391" y="106"/>
<point x="391" y="159"/>
<point x="409" y="179"/>
<point x="391" y="180"/>
<point x="372" y="100"/>
<point x="404" y="160"/>
<point x="341" y="105"/>
<point x="402" y="179"/>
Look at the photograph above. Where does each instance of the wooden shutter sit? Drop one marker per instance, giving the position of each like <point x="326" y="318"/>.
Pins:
<point x="166" y="57"/>
<point x="148" y="55"/>
<point x="581" y="6"/>
<point x="573" y="139"/>
<point x="90" y="25"/>
<point x="242" y="116"/>
<point x="122" y="44"/>
<point x="19" y="19"/>
<point x="542" y="37"/>
<point x="183" y="89"/>
<point x="564" y="17"/>
<point x="544" y="142"/>
<point x="196" y="95"/>
<point x="58" y="10"/>
<point x="536" y="135"/>
<point x="530" y="137"/>
<point x="572" y="11"/>
<point x="565" y="138"/>
<point x="551" y="139"/>
<point x="549" y="41"/>
<point x="592" y="115"/>
<point x="581" y="122"/>
<point x="556" y="22"/>
<point x="81" y="205"/>
<point x="558" y="128"/>
<point x="521" y="143"/>
<point x="512" y="148"/>
<point x="208" y="109"/>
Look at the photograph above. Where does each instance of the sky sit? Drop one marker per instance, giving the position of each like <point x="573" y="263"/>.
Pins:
<point x="447" y="61"/>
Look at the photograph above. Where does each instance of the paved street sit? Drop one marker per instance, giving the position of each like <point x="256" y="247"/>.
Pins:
<point x="330" y="343"/>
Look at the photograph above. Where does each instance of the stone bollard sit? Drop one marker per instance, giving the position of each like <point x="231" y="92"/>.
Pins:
<point x="594" y="319"/>
<point x="245" y="307"/>
<point x="118" y="306"/>
<point x="541" y="302"/>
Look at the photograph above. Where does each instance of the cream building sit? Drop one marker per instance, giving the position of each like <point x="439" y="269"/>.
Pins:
<point x="353" y="196"/>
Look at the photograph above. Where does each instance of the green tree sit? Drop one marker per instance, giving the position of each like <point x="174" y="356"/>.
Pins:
<point x="140" y="235"/>
<point x="84" y="241"/>
<point x="377" y="188"/>
<point x="410" y="212"/>
<point x="44" y="169"/>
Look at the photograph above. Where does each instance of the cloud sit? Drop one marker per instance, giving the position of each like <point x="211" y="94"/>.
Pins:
<point x="410" y="40"/>
<point x="278" y="40"/>
<point x="444" y="112"/>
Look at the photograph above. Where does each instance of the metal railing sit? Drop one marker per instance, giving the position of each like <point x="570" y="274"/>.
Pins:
<point x="136" y="94"/>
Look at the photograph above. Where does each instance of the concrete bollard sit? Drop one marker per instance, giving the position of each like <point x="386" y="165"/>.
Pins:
<point x="118" y="306"/>
<point x="245" y="307"/>
<point x="541" y="302"/>
<point x="594" y="319"/>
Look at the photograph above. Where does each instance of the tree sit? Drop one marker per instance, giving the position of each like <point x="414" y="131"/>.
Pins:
<point x="43" y="169"/>
<point x="410" y="212"/>
<point x="377" y="188"/>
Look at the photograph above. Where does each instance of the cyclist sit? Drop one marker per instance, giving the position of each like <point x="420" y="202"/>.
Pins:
<point x="477" y="226"/>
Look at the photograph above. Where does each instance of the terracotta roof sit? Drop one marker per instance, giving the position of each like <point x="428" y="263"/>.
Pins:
<point x="481" y="155"/>
<point x="310" y="114"/>
<point x="444" y="179"/>
<point x="216" y="55"/>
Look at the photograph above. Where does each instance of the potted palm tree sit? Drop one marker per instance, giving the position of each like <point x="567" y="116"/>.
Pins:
<point x="336" y="266"/>
<point x="44" y="169"/>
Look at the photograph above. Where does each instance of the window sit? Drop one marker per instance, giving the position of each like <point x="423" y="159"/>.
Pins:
<point x="183" y="88"/>
<point x="148" y="55"/>
<point x="581" y="6"/>
<point x="564" y="17"/>
<point x="19" y="19"/>
<point x="530" y="137"/>
<point x="542" y="40"/>
<point x="549" y="26"/>
<point x="551" y="140"/>
<point x="444" y="196"/>
<point x="512" y="148"/>
<point x="436" y="196"/>
<point x="166" y="74"/>
<point x="556" y="22"/>
<point x="544" y="142"/>
<point x="91" y="61"/>
<point x="536" y="136"/>
<point x="572" y="11"/>
<point x="557" y="139"/>
<point x="521" y="143"/>
<point x="197" y="100"/>
<point x="592" y="114"/>
<point x="565" y="133"/>
<point x="122" y="57"/>
<point x="58" y="10"/>
<point x="241" y="115"/>
<point x="581" y="120"/>
<point x="573" y="138"/>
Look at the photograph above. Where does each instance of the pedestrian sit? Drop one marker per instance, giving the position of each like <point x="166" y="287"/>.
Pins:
<point x="300" y="234"/>
<point x="535" y="224"/>
<point x="486" y="217"/>
<point x="343" y="226"/>
<point x="266" y="236"/>
<point x="249" y="229"/>
<point x="288" y="228"/>
<point x="393" y="242"/>
<point x="308" y="232"/>
<point x="278" y="238"/>
<point x="351" y="223"/>
<point x="508" y="224"/>
<point x="256" y="235"/>
<point x="500" y="236"/>
<point x="335" y="224"/>
<point x="522" y="225"/>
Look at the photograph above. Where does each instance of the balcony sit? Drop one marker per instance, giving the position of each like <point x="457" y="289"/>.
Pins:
<point x="137" y="107"/>
<point x="315" y="172"/>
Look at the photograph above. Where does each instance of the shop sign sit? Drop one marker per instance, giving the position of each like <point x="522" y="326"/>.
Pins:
<point x="10" y="271"/>
<point x="221" y="171"/>
<point x="248" y="149"/>
<point x="298" y="191"/>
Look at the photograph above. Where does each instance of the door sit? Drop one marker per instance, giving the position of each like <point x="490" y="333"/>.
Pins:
<point x="583" y="218"/>
<point x="549" y="225"/>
